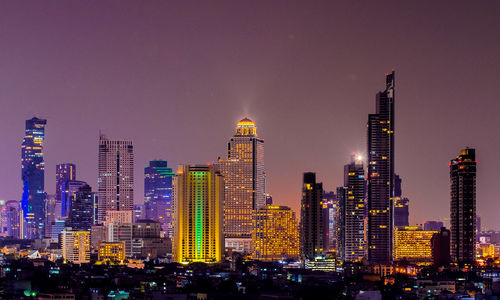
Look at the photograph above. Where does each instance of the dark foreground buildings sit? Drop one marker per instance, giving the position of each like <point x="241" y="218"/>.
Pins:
<point x="311" y="217"/>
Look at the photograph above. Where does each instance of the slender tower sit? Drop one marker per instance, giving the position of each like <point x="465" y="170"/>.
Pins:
<point x="463" y="207"/>
<point x="381" y="176"/>
<point x="311" y="218"/>
<point x="116" y="176"/>
<point x="244" y="177"/>
<point x="33" y="175"/>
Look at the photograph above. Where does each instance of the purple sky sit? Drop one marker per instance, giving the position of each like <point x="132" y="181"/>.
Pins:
<point x="175" y="77"/>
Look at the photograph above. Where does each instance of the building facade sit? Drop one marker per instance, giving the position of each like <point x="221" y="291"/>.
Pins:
<point x="158" y="198"/>
<point x="381" y="176"/>
<point x="81" y="214"/>
<point x="440" y="244"/>
<point x="76" y="245"/>
<point x="199" y="200"/>
<point x="311" y="218"/>
<point x="33" y="176"/>
<point x="463" y="207"/>
<point x="244" y="177"/>
<point x="413" y="245"/>
<point x="276" y="234"/>
<point x="116" y="176"/>
<point x="352" y="210"/>
<point x="69" y="190"/>
<point x="64" y="172"/>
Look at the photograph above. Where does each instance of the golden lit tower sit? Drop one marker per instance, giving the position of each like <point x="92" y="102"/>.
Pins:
<point x="199" y="199"/>
<point x="244" y="177"/>
<point x="276" y="233"/>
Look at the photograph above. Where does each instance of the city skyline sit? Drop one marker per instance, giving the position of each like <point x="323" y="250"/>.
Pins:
<point x="423" y="92"/>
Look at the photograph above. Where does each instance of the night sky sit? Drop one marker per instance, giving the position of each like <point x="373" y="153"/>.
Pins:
<point x="175" y="77"/>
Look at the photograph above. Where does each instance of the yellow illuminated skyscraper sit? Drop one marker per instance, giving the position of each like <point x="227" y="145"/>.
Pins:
<point x="76" y="245"/>
<point x="244" y="177"/>
<point x="413" y="244"/>
<point x="276" y="233"/>
<point x="199" y="199"/>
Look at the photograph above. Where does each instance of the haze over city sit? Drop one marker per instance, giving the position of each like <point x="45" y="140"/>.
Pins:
<point x="175" y="78"/>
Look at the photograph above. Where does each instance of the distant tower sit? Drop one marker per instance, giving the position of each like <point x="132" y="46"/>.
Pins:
<point x="463" y="207"/>
<point x="116" y="176"/>
<point x="69" y="190"/>
<point x="81" y="213"/>
<point x="244" y="177"/>
<point x="352" y="209"/>
<point x="199" y="200"/>
<point x="381" y="176"/>
<point x="401" y="205"/>
<point x="64" y="172"/>
<point x="32" y="174"/>
<point x="311" y="218"/>
<point x="329" y="221"/>
<point x="158" y="194"/>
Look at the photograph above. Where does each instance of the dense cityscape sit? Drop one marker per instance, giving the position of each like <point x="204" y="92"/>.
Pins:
<point x="210" y="231"/>
<point x="254" y="150"/>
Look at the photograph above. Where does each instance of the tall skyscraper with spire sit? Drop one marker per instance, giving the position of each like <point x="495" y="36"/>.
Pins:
<point x="381" y="176"/>
<point x="33" y="176"/>
<point x="463" y="207"/>
<point x="116" y="176"/>
<point x="244" y="176"/>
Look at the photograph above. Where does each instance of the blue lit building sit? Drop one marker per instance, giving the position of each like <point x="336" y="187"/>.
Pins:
<point x="69" y="190"/>
<point x="158" y="194"/>
<point x="32" y="175"/>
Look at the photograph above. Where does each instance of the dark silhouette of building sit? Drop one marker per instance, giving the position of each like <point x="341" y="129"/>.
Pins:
<point x="32" y="175"/>
<point x="329" y="221"/>
<point x="401" y="204"/>
<point x="433" y="225"/>
<point x="440" y="244"/>
<point x="381" y="176"/>
<point x="81" y="214"/>
<point x="311" y="218"/>
<point x="463" y="207"/>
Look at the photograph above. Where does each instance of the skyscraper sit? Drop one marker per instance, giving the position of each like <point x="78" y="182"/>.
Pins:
<point x="69" y="190"/>
<point x="381" y="176"/>
<point x="199" y="199"/>
<point x="158" y="194"/>
<point x="244" y="177"/>
<point x="463" y="207"/>
<point x="81" y="214"/>
<point x="440" y="243"/>
<point x="64" y="172"/>
<point x="11" y="217"/>
<point x="116" y="176"/>
<point x="311" y="218"/>
<point x="329" y="221"/>
<point x="276" y="234"/>
<point x="352" y="210"/>
<point x="32" y="175"/>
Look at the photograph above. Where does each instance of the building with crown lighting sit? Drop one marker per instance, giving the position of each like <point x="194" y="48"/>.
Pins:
<point x="116" y="176"/>
<point x="244" y="177"/>
<point x="75" y="245"/>
<point x="33" y="176"/>
<point x="381" y="176"/>
<point x="351" y="243"/>
<point x="413" y="244"/>
<point x="311" y="218"/>
<point x="276" y="234"/>
<point x="158" y="194"/>
<point x="463" y="207"/>
<point x="198" y="215"/>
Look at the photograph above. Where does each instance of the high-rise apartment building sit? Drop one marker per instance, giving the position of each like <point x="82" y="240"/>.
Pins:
<point x="116" y="176"/>
<point x="276" y="234"/>
<point x="199" y="200"/>
<point x="158" y="194"/>
<point x="32" y="175"/>
<point x="352" y="211"/>
<point x="76" y="245"/>
<point x="81" y="214"/>
<point x="311" y="218"/>
<point x="463" y="207"/>
<point x="381" y="176"/>
<point x="244" y="177"/>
